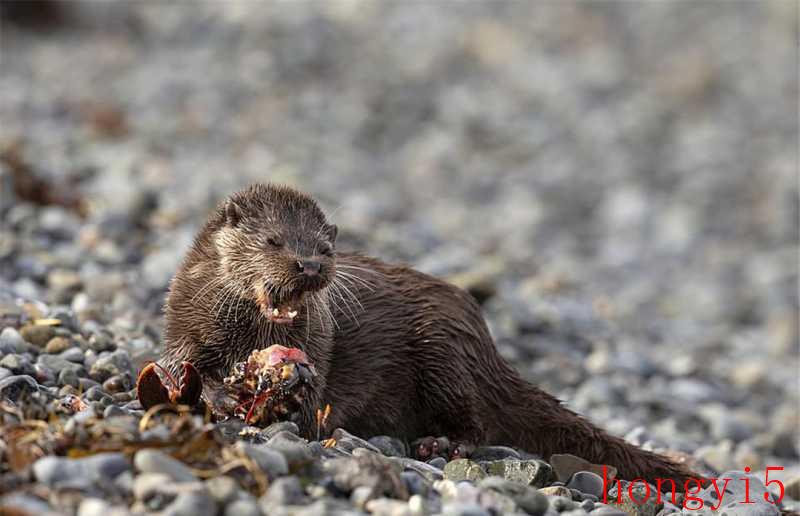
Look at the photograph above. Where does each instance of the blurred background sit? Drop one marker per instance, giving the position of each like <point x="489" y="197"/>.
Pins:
<point x="616" y="182"/>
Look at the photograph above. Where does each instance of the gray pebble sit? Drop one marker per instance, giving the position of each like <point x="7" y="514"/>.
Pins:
<point x="438" y="462"/>
<point x="193" y="503"/>
<point x="12" y="387"/>
<point x="59" y="471"/>
<point x="491" y="453"/>
<point x="586" y="482"/>
<point x="293" y="448"/>
<point x="269" y="460"/>
<point x="389" y="446"/>
<point x="243" y="507"/>
<point x="11" y="342"/>
<point x="223" y="489"/>
<point x="154" y="461"/>
<point x="283" y="491"/>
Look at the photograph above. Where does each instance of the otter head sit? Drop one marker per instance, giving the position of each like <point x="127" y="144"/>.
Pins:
<point x="276" y="248"/>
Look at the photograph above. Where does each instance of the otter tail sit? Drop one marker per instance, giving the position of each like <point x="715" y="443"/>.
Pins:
<point x="539" y="423"/>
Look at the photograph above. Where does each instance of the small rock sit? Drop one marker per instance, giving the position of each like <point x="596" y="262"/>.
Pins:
<point x="637" y="499"/>
<point x="18" y="364"/>
<point x="113" y="411"/>
<point x="154" y="461"/>
<point x="283" y="491"/>
<point x="62" y="472"/>
<point x="243" y="507"/>
<point x="587" y="482"/>
<point x="389" y="446"/>
<point x="527" y="498"/>
<point x="349" y="442"/>
<point x="493" y="453"/>
<point x="416" y="483"/>
<point x="268" y="460"/>
<point x="438" y="462"/>
<point x="74" y="355"/>
<point x="387" y="507"/>
<point x="12" y="342"/>
<point x="463" y="469"/>
<point x="192" y="503"/>
<point x="463" y="509"/>
<point x="293" y="448"/>
<point x="528" y="472"/>
<point x="565" y="465"/>
<point x="68" y="377"/>
<point x="57" y="345"/>
<point x="556" y="491"/>
<point x="223" y="489"/>
<point x="12" y="387"/>
<point x="109" y="365"/>
<point x="281" y="426"/>
<point x="792" y="488"/>
<point x="38" y="335"/>
<point x="742" y="509"/>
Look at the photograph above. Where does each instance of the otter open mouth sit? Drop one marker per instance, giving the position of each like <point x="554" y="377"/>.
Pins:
<point x="281" y="309"/>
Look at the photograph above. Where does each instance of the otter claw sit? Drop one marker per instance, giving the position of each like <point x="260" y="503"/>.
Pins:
<point x="151" y="391"/>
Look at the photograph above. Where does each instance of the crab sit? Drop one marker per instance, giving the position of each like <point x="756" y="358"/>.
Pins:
<point x="151" y="391"/>
<point x="270" y="384"/>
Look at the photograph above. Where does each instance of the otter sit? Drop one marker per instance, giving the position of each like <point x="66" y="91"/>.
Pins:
<point x="396" y="351"/>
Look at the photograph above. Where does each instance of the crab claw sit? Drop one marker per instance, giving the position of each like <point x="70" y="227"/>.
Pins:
<point x="191" y="386"/>
<point x="152" y="391"/>
<point x="149" y="389"/>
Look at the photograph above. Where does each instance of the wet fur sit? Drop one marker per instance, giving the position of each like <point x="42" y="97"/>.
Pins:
<point x="404" y="354"/>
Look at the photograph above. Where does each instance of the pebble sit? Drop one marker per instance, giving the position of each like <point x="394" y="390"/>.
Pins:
<point x="556" y="491"/>
<point x="111" y="364"/>
<point x="282" y="491"/>
<point x="493" y="453"/>
<point x="463" y="469"/>
<point x="388" y="507"/>
<point x="12" y="387"/>
<point x="587" y="482"/>
<point x="438" y="462"/>
<point x="153" y="461"/>
<point x="57" y="345"/>
<point x="223" y="489"/>
<point x="348" y="442"/>
<point x="293" y="448"/>
<point x="38" y="335"/>
<point x="389" y="446"/>
<point x="268" y="460"/>
<point x="192" y="503"/>
<point x="243" y="507"/>
<point x="528" y="472"/>
<point x="81" y="473"/>
<point x="565" y="465"/>
<point x="12" y="342"/>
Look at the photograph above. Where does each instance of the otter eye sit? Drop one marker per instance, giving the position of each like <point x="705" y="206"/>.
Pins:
<point x="327" y="251"/>
<point x="274" y="242"/>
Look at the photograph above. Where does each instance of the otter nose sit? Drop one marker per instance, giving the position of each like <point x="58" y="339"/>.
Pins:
<point x="309" y="267"/>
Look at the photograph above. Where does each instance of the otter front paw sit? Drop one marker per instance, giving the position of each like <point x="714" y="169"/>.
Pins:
<point x="427" y="448"/>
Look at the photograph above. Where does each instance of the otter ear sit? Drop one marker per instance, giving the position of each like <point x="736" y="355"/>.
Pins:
<point x="331" y="231"/>
<point x="233" y="213"/>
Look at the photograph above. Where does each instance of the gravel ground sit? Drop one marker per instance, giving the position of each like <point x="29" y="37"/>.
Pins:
<point x="616" y="182"/>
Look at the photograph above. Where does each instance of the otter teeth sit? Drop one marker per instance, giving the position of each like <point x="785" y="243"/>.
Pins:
<point x="275" y="312"/>
<point x="293" y="314"/>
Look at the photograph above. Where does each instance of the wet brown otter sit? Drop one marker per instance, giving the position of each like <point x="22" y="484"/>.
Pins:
<point x="396" y="351"/>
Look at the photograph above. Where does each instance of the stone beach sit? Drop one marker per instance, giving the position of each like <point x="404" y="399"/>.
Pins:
<point x="616" y="183"/>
